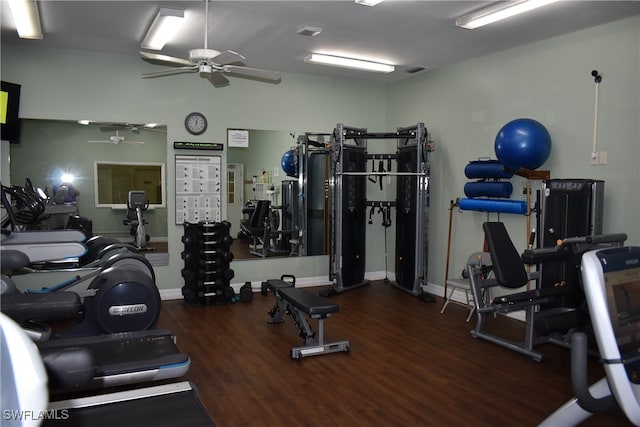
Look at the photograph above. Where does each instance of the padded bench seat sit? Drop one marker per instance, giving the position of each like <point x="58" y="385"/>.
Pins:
<point x="299" y="304"/>
<point x="312" y="304"/>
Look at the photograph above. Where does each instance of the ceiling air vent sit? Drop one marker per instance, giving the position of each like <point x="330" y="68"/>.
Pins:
<point x="414" y="70"/>
<point x="309" y="31"/>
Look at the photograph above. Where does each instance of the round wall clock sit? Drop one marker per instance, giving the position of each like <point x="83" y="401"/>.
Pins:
<point x="195" y="123"/>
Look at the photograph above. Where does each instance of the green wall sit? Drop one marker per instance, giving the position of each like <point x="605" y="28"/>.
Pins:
<point x="463" y="106"/>
<point x="108" y="87"/>
<point x="466" y="104"/>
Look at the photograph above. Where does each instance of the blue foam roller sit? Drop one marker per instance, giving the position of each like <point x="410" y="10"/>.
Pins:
<point x="488" y="189"/>
<point x="486" y="169"/>
<point x="487" y="205"/>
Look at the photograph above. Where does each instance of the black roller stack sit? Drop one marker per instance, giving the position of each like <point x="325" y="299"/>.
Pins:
<point x="207" y="257"/>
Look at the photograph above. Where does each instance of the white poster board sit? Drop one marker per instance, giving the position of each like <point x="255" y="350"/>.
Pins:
<point x="238" y="138"/>
<point x="198" y="184"/>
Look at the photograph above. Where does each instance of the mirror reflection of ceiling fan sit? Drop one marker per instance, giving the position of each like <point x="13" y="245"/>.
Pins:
<point x="209" y="63"/>
<point x="117" y="139"/>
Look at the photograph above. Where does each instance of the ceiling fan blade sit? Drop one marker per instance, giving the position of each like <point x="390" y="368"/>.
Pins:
<point x="169" y="60"/>
<point x="132" y="142"/>
<point x="100" y="142"/>
<point x="268" y="75"/>
<point x="218" y="80"/>
<point x="111" y="126"/>
<point x="171" y="71"/>
<point x="229" y="57"/>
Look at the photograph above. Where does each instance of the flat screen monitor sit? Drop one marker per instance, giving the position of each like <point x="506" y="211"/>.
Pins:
<point x="9" y="110"/>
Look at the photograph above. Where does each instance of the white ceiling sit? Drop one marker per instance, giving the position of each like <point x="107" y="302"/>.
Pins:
<point x="405" y="33"/>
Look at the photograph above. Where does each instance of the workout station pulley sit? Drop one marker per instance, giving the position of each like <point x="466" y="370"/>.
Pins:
<point x="349" y="159"/>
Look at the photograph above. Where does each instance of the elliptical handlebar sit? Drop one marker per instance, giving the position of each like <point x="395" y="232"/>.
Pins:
<point x="579" y="379"/>
<point x="22" y="206"/>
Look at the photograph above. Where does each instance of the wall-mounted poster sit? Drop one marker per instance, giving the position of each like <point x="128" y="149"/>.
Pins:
<point x="198" y="184"/>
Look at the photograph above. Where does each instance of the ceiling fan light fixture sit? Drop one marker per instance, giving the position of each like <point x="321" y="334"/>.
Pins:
<point x="27" y="18"/>
<point x="164" y="27"/>
<point x="497" y="12"/>
<point x="339" y="61"/>
<point x="205" y="69"/>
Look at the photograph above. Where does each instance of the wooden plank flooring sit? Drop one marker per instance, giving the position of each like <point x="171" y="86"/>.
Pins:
<point x="409" y="366"/>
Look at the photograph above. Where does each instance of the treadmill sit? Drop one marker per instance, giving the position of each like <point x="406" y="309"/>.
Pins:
<point x="174" y="404"/>
<point x="112" y="360"/>
<point x="24" y="397"/>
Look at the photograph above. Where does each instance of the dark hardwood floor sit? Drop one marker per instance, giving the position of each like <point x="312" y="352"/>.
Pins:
<point x="409" y="366"/>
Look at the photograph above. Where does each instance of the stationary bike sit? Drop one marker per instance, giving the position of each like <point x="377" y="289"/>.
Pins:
<point x="137" y="203"/>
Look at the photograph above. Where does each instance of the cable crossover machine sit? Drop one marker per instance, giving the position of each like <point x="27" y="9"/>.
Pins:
<point x="349" y="204"/>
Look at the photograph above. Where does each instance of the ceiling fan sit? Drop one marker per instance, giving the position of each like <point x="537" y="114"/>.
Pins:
<point x="210" y="63"/>
<point x="117" y="139"/>
<point x="133" y="127"/>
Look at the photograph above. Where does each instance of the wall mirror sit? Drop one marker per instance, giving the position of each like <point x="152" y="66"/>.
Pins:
<point x="50" y="148"/>
<point x="274" y="213"/>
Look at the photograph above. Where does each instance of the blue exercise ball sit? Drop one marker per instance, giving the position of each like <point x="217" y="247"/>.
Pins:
<point x="289" y="163"/>
<point x="523" y="143"/>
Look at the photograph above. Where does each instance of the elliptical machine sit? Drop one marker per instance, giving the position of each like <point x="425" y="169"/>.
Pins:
<point x="121" y="297"/>
<point x="121" y="294"/>
<point x="611" y="281"/>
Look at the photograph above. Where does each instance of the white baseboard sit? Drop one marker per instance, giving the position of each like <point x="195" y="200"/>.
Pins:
<point x="303" y="282"/>
<point x="169" y="294"/>
<point x="309" y="282"/>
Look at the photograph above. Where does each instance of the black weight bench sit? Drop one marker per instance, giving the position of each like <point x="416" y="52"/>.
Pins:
<point x="299" y="304"/>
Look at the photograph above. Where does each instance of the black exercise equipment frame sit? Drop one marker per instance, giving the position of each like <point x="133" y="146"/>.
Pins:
<point x="348" y="196"/>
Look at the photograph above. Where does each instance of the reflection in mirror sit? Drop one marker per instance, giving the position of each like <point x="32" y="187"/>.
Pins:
<point x="114" y="180"/>
<point x="278" y="201"/>
<point x="50" y="148"/>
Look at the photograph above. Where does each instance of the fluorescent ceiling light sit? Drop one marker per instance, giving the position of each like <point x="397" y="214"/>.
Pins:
<point x="358" y="64"/>
<point x="163" y="28"/>
<point x="369" y="2"/>
<point x="27" y="18"/>
<point x="500" y="11"/>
